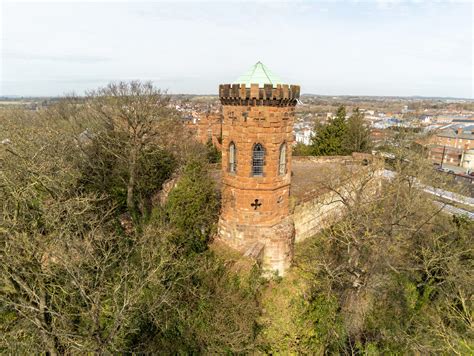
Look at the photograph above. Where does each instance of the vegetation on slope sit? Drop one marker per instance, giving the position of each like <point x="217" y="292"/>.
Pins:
<point x="394" y="275"/>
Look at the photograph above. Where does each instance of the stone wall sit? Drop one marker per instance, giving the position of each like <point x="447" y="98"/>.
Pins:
<point x="209" y="127"/>
<point x="275" y="241"/>
<point x="313" y="215"/>
<point x="354" y="158"/>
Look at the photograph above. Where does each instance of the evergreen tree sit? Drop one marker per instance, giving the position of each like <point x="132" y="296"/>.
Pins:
<point x="300" y="149"/>
<point x="213" y="154"/>
<point x="340" y="136"/>
<point x="357" y="138"/>
<point x="329" y="138"/>
<point x="193" y="207"/>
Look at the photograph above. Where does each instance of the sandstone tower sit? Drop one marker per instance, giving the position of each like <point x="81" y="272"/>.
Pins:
<point x="257" y="135"/>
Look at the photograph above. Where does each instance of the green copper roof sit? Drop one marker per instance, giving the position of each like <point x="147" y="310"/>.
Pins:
<point x="259" y="74"/>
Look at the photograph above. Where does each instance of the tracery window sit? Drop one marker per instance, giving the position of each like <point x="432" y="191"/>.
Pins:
<point x="282" y="162"/>
<point x="258" y="160"/>
<point x="232" y="158"/>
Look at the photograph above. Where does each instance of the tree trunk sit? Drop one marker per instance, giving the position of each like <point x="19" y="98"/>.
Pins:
<point x="132" y="169"/>
<point x="45" y="321"/>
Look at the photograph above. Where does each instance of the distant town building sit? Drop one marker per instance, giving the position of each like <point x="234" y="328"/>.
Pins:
<point x="304" y="136"/>
<point x="451" y="144"/>
<point x="425" y="119"/>
<point x="386" y="122"/>
<point x="381" y="137"/>
<point x="209" y="128"/>
<point x="468" y="160"/>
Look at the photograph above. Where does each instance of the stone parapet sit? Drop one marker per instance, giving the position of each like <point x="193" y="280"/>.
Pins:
<point x="354" y="158"/>
<point x="269" y="95"/>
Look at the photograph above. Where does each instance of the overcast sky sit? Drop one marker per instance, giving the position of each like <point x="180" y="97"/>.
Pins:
<point x="328" y="47"/>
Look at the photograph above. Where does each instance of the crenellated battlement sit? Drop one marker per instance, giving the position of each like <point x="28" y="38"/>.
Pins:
<point x="240" y="94"/>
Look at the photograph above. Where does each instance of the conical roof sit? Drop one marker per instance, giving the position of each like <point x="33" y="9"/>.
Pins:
<point x="259" y="74"/>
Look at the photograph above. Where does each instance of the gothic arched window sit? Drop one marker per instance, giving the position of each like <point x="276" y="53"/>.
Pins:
<point x="282" y="162"/>
<point x="232" y="158"/>
<point x="258" y="160"/>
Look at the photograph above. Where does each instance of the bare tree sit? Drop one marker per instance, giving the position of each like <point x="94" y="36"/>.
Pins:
<point x="70" y="281"/>
<point x="135" y="115"/>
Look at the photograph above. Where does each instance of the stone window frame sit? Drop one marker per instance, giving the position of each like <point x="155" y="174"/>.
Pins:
<point x="282" y="166"/>
<point x="232" y="155"/>
<point x="258" y="160"/>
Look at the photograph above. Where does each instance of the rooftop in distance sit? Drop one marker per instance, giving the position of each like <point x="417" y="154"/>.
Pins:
<point x="259" y="74"/>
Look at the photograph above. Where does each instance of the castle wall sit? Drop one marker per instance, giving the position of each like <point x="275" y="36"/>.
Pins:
<point x="314" y="215"/>
<point x="209" y="127"/>
<point x="317" y="213"/>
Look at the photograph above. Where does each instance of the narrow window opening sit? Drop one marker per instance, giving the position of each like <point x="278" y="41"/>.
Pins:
<point x="232" y="160"/>
<point x="258" y="160"/>
<point x="282" y="165"/>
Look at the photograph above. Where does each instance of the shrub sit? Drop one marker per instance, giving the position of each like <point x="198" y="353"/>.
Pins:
<point x="193" y="207"/>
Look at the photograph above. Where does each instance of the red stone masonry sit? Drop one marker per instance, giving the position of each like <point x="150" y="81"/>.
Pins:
<point x="253" y="115"/>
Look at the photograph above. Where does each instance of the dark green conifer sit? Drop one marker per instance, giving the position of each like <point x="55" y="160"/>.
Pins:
<point x="329" y="138"/>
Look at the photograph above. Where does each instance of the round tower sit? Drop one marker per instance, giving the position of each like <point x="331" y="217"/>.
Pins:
<point x="257" y="136"/>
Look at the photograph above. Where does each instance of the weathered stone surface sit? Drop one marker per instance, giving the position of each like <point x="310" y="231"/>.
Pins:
<point x="162" y="196"/>
<point x="277" y="241"/>
<point x="255" y="251"/>
<point x="323" y="185"/>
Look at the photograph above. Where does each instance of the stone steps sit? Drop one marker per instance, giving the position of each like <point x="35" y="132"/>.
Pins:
<point x="254" y="250"/>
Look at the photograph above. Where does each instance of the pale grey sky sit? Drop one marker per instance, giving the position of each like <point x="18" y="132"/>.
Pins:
<point x="328" y="47"/>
